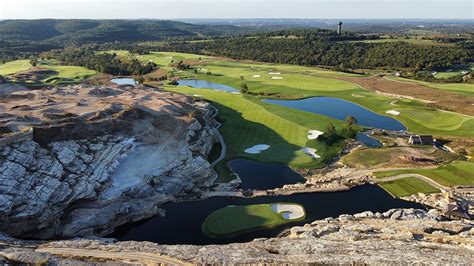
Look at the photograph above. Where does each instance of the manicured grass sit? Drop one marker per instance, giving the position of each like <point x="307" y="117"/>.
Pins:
<point x="68" y="74"/>
<point x="14" y="67"/>
<point x="456" y="173"/>
<point x="408" y="186"/>
<point x="233" y="220"/>
<point x="247" y="121"/>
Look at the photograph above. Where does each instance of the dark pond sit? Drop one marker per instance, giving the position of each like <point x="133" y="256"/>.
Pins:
<point x="182" y="223"/>
<point x="204" y="84"/>
<point x="124" y="81"/>
<point x="257" y="175"/>
<point x="368" y="141"/>
<point x="340" y="109"/>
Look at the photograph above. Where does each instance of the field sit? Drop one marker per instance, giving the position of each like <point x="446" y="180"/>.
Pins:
<point x="461" y="88"/>
<point x="68" y="74"/>
<point x="14" y="67"/>
<point x="407" y="186"/>
<point x="456" y="173"/>
<point x="411" y="40"/>
<point x="233" y="220"/>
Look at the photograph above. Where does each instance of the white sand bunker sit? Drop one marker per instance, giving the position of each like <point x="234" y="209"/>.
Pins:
<point x="274" y="73"/>
<point x="358" y="95"/>
<point x="197" y="95"/>
<point x="288" y="211"/>
<point x="257" y="149"/>
<point x="314" y="134"/>
<point x="392" y="112"/>
<point x="256" y="76"/>
<point x="235" y="92"/>
<point x="277" y="78"/>
<point x="311" y="152"/>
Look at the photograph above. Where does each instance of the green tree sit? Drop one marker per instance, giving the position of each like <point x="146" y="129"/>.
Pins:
<point x="244" y="89"/>
<point x="350" y="120"/>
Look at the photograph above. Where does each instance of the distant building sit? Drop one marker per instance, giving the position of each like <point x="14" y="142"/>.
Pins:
<point x="421" y="140"/>
<point x="339" y="27"/>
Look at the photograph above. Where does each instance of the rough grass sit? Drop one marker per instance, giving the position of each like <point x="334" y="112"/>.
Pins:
<point x="408" y="186"/>
<point x="461" y="88"/>
<point x="14" y="67"/>
<point x="456" y="173"/>
<point x="233" y="220"/>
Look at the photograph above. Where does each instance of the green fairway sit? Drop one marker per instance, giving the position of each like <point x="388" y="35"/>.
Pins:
<point x="246" y="121"/>
<point x="456" y="173"/>
<point x="68" y="74"/>
<point x="14" y="67"/>
<point x="233" y="220"/>
<point x="407" y="186"/>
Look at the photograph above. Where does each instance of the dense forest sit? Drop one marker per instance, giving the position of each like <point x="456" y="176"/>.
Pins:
<point x="22" y="38"/>
<point x="102" y="62"/>
<point x="323" y="47"/>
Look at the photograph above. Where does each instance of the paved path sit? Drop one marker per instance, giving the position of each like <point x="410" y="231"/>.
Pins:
<point x="223" y="148"/>
<point x="142" y="257"/>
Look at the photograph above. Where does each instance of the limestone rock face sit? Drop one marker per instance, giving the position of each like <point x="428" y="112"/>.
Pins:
<point x="417" y="237"/>
<point x="112" y="159"/>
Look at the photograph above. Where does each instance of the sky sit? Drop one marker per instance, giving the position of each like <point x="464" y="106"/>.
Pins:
<point x="231" y="9"/>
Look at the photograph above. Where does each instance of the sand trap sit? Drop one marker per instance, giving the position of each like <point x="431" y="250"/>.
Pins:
<point x="314" y="134"/>
<point x="288" y="211"/>
<point x="311" y="152"/>
<point x="257" y="149"/>
<point x="256" y="76"/>
<point x="274" y="73"/>
<point x="197" y="95"/>
<point x="392" y="112"/>
<point x="235" y="92"/>
<point x="358" y="96"/>
<point x="277" y="78"/>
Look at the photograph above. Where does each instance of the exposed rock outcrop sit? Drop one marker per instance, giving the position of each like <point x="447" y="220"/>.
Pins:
<point x="98" y="157"/>
<point x="398" y="236"/>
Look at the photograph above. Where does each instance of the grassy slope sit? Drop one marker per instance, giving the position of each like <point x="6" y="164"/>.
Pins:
<point x="247" y="122"/>
<point x="68" y="73"/>
<point x="14" y="66"/>
<point x="407" y="186"/>
<point x="461" y="88"/>
<point x="232" y="220"/>
<point x="456" y="173"/>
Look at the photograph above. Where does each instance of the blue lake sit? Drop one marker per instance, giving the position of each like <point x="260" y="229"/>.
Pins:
<point x="183" y="220"/>
<point x="204" y="84"/>
<point x="340" y="109"/>
<point x="124" y="81"/>
<point x="257" y="175"/>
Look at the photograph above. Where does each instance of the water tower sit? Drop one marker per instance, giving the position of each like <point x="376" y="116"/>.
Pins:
<point x="339" y="27"/>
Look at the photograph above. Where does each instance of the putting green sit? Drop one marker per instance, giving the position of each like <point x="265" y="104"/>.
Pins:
<point x="233" y="220"/>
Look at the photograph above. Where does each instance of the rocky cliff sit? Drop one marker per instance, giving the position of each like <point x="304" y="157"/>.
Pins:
<point x="399" y="236"/>
<point x="81" y="160"/>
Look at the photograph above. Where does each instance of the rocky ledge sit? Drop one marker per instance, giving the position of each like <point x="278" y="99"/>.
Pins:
<point x="81" y="160"/>
<point x="398" y="236"/>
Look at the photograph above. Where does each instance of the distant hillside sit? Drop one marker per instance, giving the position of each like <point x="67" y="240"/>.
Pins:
<point x="100" y="31"/>
<point x="22" y="38"/>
